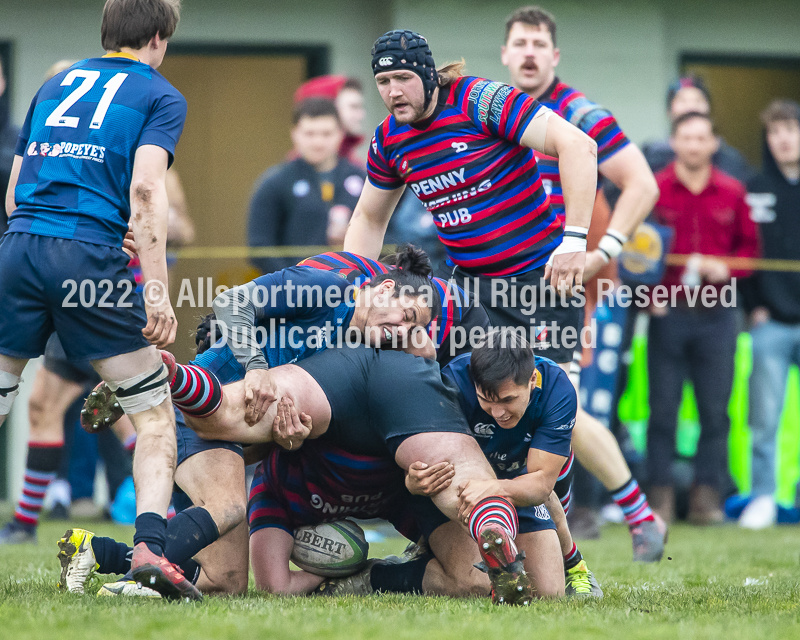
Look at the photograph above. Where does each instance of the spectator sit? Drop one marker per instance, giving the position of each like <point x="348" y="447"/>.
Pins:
<point x="307" y="200"/>
<point x="690" y="95"/>
<point x="348" y="94"/>
<point x="8" y="140"/>
<point x="773" y="298"/>
<point x="707" y="211"/>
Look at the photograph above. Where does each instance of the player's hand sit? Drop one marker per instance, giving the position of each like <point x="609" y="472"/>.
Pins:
<point x="595" y="260"/>
<point x="424" y="480"/>
<point x="161" y="324"/>
<point x="566" y="271"/>
<point x="713" y="270"/>
<point x="129" y="245"/>
<point x="290" y="429"/>
<point x="259" y="393"/>
<point x="471" y="492"/>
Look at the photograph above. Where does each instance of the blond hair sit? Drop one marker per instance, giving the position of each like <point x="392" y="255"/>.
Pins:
<point x="451" y="72"/>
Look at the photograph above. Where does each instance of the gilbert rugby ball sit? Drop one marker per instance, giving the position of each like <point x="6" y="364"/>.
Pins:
<point x="333" y="549"/>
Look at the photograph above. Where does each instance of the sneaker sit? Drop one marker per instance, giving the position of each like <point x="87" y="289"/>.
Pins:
<point x="649" y="538"/>
<point x="100" y="410"/>
<point x="581" y="583"/>
<point x="503" y="563"/>
<point x="762" y="512"/>
<point x="127" y="588"/>
<point x="76" y="556"/>
<point x="17" y="533"/>
<point x="158" y="573"/>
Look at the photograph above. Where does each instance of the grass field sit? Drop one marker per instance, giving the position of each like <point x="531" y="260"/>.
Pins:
<point x="720" y="583"/>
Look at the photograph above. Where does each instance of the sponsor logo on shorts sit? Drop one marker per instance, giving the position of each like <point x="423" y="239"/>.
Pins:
<point x="541" y="512"/>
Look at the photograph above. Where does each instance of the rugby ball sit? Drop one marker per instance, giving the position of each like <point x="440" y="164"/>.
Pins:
<point x="333" y="550"/>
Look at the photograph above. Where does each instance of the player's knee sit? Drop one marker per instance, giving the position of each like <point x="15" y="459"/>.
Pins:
<point x="143" y="392"/>
<point x="472" y="583"/>
<point x="550" y="587"/>
<point x="37" y="408"/>
<point x="9" y="389"/>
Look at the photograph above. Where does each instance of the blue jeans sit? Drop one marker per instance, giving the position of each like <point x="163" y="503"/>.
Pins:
<point x="776" y="346"/>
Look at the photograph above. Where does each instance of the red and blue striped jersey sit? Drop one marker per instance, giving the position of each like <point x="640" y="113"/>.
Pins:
<point x="589" y="117"/>
<point x="358" y="270"/>
<point x="467" y="166"/>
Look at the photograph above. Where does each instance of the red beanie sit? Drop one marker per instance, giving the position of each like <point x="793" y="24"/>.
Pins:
<point x="320" y="87"/>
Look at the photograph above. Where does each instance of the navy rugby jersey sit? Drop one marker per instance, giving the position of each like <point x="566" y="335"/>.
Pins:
<point x="359" y="270"/>
<point x="78" y="145"/>
<point x="589" y="117"/>
<point x="546" y="425"/>
<point x="468" y="168"/>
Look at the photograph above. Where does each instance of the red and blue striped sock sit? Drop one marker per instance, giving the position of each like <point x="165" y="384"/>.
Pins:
<point x="44" y="459"/>
<point x="572" y="558"/>
<point x="493" y="510"/>
<point x="633" y="502"/>
<point x="195" y="391"/>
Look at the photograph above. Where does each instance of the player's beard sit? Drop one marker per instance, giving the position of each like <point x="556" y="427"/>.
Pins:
<point x="412" y="114"/>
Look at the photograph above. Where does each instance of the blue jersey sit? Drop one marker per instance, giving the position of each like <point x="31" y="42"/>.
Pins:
<point x="78" y="144"/>
<point x="546" y="425"/>
<point x="296" y="306"/>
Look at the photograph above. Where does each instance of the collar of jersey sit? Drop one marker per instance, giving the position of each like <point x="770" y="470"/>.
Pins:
<point x="122" y="54"/>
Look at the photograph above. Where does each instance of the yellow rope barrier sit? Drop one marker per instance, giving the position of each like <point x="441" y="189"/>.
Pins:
<point x="305" y="251"/>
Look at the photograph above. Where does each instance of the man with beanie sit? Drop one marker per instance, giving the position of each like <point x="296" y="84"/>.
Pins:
<point x="773" y="298"/>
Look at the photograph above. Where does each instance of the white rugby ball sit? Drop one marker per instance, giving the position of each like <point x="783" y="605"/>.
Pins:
<point x="334" y="549"/>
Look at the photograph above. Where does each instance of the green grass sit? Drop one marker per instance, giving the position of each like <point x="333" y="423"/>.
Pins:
<point x="700" y="593"/>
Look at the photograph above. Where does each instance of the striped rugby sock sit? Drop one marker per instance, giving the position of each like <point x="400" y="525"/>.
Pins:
<point x="633" y="502"/>
<point x="572" y="558"/>
<point x="195" y="391"/>
<point x="493" y="510"/>
<point x="44" y="459"/>
<point x="563" y="487"/>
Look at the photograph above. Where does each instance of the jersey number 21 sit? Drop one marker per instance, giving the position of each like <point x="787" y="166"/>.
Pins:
<point x="58" y="117"/>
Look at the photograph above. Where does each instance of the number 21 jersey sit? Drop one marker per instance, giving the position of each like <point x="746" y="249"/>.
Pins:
<point x="78" y="145"/>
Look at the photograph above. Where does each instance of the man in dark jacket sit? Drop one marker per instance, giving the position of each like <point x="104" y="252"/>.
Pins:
<point x="308" y="200"/>
<point x="773" y="298"/>
<point x="8" y="140"/>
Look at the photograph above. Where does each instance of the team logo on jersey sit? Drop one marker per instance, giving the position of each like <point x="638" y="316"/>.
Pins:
<point x="540" y="339"/>
<point x="301" y="188"/>
<point x="483" y="430"/>
<point x="386" y="61"/>
<point x="565" y="427"/>
<point x="459" y="146"/>
<point x="404" y="168"/>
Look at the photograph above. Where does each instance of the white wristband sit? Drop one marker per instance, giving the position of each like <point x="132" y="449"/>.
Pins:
<point x="611" y="245"/>
<point x="571" y="244"/>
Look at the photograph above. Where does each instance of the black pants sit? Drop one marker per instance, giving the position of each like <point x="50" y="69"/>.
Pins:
<point x="698" y="344"/>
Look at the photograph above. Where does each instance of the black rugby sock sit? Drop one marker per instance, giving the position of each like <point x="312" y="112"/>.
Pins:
<point x="112" y="556"/>
<point x="400" y="578"/>
<point x="151" y="529"/>
<point x="188" y="533"/>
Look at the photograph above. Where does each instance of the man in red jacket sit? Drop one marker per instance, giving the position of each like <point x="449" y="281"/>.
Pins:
<point x="693" y="325"/>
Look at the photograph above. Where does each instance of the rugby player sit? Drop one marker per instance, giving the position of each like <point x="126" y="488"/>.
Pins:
<point x="521" y="410"/>
<point x="92" y="155"/>
<point x="210" y="472"/>
<point x="531" y="56"/>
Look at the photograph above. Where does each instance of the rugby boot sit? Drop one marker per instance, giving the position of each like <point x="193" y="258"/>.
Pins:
<point x="581" y="583"/>
<point x="159" y="574"/>
<point x="503" y="563"/>
<point x="127" y="587"/>
<point x="17" y="533"/>
<point x="76" y="556"/>
<point x="358" y="584"/>
<point x="649" y="538"/>
<point x="100" y="410"/>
